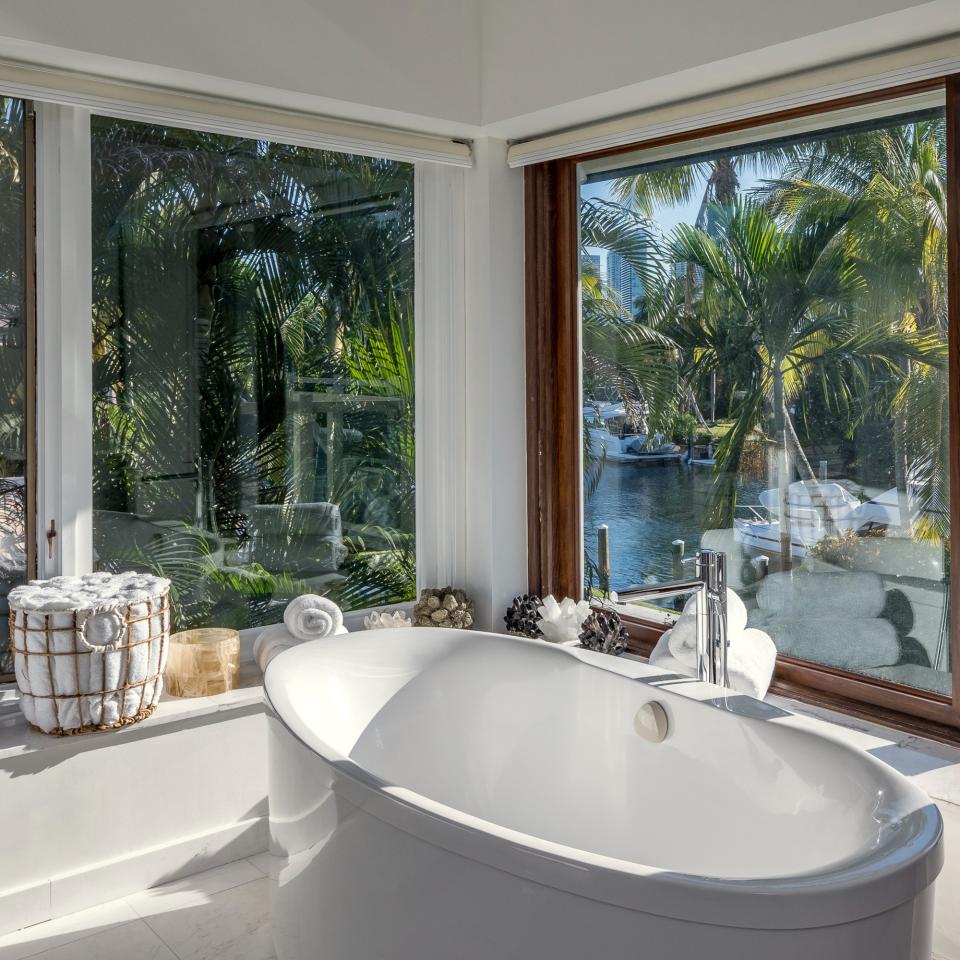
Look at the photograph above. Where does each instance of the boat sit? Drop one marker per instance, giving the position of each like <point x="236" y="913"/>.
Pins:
<point x="816" y="509"/>
<point x="632" y="447"/>
<point x="611" y="439"/>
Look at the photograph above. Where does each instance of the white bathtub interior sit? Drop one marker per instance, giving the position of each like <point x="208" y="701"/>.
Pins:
<point x="558" y="759"/>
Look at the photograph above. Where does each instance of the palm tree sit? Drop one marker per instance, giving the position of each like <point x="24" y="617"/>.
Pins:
<point x="892" y="180"/>
<point x="795" y="294"/>
<point x="236" y="285"/>
<point x="621" y="353"/>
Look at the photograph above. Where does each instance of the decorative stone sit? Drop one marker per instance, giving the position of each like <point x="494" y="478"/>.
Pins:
<point x="603" y="631"/>
<point x="444" y="607"/>
<point x="522" y="616"/>
<point x="561" y="622"/>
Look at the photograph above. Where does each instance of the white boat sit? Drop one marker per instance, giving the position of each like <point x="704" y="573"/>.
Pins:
<point x="816" y="510"/>
<point x="631" y="448"/>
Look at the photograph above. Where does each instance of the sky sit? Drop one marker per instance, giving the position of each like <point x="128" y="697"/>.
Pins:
<point x="666" y="215"/>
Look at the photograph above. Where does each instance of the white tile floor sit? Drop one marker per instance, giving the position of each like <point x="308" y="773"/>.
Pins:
<point x="222" y="914"/>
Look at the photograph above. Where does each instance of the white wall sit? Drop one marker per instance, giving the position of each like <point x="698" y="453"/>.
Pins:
<point x="371" y="60"/>
<point x="93" y="818"/>
<point x="496" y="521"/>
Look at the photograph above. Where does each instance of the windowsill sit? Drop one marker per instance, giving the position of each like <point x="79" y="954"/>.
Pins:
<point x="17" y="737"/>
<point x="931" y="765"/>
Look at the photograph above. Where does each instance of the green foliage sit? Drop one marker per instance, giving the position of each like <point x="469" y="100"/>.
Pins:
<point x="253" y="344"/>
<point x="817" y="305"/>
<point x="682" y="427"/>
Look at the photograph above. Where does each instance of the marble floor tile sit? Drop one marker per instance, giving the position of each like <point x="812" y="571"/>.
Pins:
<point x="128" y="941"/>
<point x="268" y="864"/>
<point x="221" y="914"/>
<point x="193" y="891"/>
<point x="233" y="924"/>
<point x="55" y="933"/>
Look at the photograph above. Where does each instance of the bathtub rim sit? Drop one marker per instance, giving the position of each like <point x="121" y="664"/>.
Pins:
<point x="848" y="891"/>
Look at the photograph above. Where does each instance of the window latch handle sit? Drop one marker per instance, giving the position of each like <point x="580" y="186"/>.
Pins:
<point x="51" y="536"/>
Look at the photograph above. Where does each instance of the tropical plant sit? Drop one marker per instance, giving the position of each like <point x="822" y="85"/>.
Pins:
<point x="13" y="345"/>
<point x="797" y="295"/>
<point x="892" y="181"/>
<point x="252" y="345"/>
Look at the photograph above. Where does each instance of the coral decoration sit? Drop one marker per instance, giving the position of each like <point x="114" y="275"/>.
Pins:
<point x="561" y="622"/>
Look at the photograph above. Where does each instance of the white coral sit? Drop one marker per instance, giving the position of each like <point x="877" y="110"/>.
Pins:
<point x="561" y="622"/>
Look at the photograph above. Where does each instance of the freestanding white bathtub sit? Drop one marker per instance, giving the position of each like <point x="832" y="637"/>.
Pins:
<point x="445" y="795"/>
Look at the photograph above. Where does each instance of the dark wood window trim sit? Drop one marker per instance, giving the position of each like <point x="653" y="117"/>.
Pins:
<point x="554" y="430"/>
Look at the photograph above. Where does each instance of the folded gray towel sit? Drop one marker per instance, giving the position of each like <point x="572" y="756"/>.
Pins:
<point x="915" y="675"/>
<point x="850" y="595"/>
<point x="847" y="644"/>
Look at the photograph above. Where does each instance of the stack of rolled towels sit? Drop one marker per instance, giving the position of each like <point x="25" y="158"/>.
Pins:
<point x="309" y="617"/>
<point x="89" y="651"/>
<point x="829" y="618"/>
<point x="751" y="654"/>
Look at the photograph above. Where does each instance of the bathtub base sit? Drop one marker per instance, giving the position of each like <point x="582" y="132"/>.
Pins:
<point x="351" y="886"/>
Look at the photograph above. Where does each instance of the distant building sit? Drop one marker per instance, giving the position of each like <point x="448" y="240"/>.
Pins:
<point x="590" y="262"/>
<point x="680" y="272"/>
<point x="623" y="279"/>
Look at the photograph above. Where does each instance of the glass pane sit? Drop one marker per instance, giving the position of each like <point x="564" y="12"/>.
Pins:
<point x="13" y="356"/>
<point x="253" y="371"/>
<point x="764" y="373"/>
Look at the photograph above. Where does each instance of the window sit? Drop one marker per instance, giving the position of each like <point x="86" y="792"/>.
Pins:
<point x="252" y="370"/>
<point x="765" y="326"/>
<point x="16" y="355"/>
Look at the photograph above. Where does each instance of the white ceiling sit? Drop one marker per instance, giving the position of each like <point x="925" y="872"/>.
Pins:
<point x="507" y="68"/>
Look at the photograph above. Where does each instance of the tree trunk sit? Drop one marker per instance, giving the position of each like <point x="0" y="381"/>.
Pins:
<point x="783" y="471"/>
<point x="901" y="468"/>
<point x="695" y="407"/>
<point x="901" y="472"/>
<point x="804" y="467"/>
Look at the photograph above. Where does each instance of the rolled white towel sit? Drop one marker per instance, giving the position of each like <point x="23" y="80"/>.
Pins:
<point x="852" y="595"/>
<point x="274" y="640"/>
<point x="683" y="636"/>
<point x="312" y="618"/>
<point x="751" y="658"/>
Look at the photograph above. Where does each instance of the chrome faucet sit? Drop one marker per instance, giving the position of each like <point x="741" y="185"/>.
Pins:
<point x="710" y="587"/>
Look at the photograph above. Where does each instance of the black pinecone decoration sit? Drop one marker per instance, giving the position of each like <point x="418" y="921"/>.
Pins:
<point x="603" y="631"/>
<point x="522" y="616"/>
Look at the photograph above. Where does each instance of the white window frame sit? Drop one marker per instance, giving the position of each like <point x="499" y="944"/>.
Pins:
<point x="65" y="346"/>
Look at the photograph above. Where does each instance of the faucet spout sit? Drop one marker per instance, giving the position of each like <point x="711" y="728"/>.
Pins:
<point x="710" y="588"/>
<point x="712" y="640"/>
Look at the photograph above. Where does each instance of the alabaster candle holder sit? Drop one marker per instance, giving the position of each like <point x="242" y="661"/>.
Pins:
<point x="202" y="662"/>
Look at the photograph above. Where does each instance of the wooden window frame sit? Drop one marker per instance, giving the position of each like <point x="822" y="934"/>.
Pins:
<point x="554" y="472"/>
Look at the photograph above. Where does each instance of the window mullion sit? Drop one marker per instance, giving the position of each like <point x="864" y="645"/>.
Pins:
<point x="440" y="375"/>
<point x="64" y="341"/>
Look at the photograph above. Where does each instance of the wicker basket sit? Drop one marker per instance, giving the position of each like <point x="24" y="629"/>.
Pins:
<point x="89" y="652"/>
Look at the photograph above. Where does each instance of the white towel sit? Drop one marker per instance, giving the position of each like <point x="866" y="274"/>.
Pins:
<point x="852" y="595"/>
<point x="683" y="636"/>
<point x="312" y="618"/>
<point x="275" y="640"/>
<point x="751" y="658"/>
